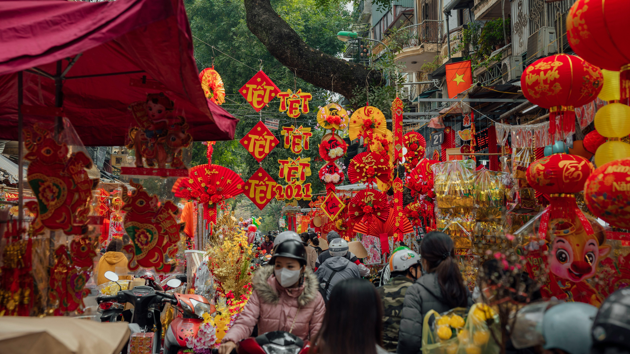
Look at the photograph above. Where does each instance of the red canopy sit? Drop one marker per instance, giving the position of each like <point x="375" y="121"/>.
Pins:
<point x="119" y="43"/>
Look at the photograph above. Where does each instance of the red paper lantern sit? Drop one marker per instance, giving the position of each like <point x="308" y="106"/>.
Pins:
<point x="560" y="83"/>
<point x="607" y="193"/>
<point x="593" y="140"/>
<point x="559" y="173"/>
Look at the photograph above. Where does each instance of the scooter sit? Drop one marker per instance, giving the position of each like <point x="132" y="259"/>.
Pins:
<point x="277" y="342"/>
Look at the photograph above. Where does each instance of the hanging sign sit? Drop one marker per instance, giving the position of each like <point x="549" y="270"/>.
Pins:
<point x="259" y="91"/>
<point x="260" y="188"/>
<point x="332" y="206"/>
<point x="272" y="124"/>
<point x="259" y="141"/>
<point x="294" y="103"/>
<point x="437" y="138"/>
<point x="294" y="191"/>
<point x="397" y="115"/>
<point x="297" y="139"/>
<point x="295" y="170"/>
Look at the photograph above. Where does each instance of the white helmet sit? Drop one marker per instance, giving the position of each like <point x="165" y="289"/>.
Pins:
<point x="403" y="260"/>
<point x="338" y="247"/>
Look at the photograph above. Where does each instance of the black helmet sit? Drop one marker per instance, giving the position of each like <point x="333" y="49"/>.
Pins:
<point x="290" y="249"/>
<point x="612" y="323"/>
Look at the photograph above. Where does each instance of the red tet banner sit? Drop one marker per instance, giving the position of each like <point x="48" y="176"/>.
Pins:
<point x="294" y="191"/>
<point x="295" y="170"/>
<point x="297" y="139"/>
<point x="332" y="206"/>
<point x="259" y="141"/>
<point x="398" y="209"/>
<point x="259" y="91"/>
<point x="293" y="103"/>
<point x="397" y="114"/>
<point x="260" y="188"/>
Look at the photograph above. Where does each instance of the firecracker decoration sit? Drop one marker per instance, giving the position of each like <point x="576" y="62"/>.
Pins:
<point x="397" y="120"/>
<point x="102" y="206"/>
<point x="607" y="193"/>
<point x="230" y="264"/>
<point x="332" y="147"/>
<point x="332" y="206"/>
<point x="259" y="141"/>
<point x="365" y="122"/>
<point x="259" y="91"/>
<point x="69" y="276"/>
<point x="367" y="205"/>
<point x="210" y="149"/>
<point x="260" y="188"/>
<point x="294" y="103"/>
<point x="153" y="229"/>
<point x="210" y="185"/>
<point x="560" y="83"/>
<point x="384" y="229"/>
<point x="16" y="283"/>
<point x="296" y="139"/>
<point x="331" y="175"/>
<point x="333" y="117"/>
<point x="370" y="167"/>
<point x="158" y="138"/>
<point x="212" y="85"/>
<point x="416" y="145"/>
<point x="59" y="182"/>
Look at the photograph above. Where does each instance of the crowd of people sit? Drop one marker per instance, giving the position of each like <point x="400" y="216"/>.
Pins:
<point x="320" y="296"/>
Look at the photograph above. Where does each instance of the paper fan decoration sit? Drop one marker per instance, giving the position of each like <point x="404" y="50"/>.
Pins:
<point x="369" y="167"/>
<point x="212" y="85"/>
<point x="383" y="144"/>
<point x="331" y="175"/>
<point x="367" y="205"/>
<point x="421" y="213"/>
<point x="332" y="116"/>
<point x="332" y="147"/>
<point x="365" y="122"/>
<point x="377" y="227"/>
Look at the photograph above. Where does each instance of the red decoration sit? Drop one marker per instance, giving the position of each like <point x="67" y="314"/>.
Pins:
<point x="297" y="139"/>
<point x="60" y="183"/>
<point x="293" y="103"/>
<point x="397" y="209"/>
<point x="365" y="122"/>
<point x="560" y="83"/>
<point x="607" y="193"/>
<point x="153" y="229"/>
<point x="332" y="147"/>
<point x="259" y="91"/>
<point x="212" y="85"/>
<point x="367" y="205"/>
<point x="16" y="282"/>
<point x="332" y="206"/>
<point x="397" y="115"/>
<point x="593" y="140"/>
<point x="368" y="167"/>
<point x="559" y="173"/>
<point x="331" y="175"/>
<point x="415" y="144"/>
<point x="102" y="208"/>
<point x="260" y="188"/>
<point x="384" y="229"/>
<point x="420" y="180"/>
<point x="259" y="141"/>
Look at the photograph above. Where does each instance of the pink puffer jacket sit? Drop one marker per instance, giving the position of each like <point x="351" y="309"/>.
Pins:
<point x="274" y="308"/>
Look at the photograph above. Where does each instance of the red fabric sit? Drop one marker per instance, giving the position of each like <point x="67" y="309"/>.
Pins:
<point x="152" y="36"/>
<point x="492" y="149"/>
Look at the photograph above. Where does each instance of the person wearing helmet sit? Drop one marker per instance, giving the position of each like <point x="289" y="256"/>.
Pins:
<point x="285" y="298"/>
<point x="286" y="235"/>
<point x="611" y="328"/>
<point x="336" y="268"/>
<point x="555" y="328"/>
<point x="333" y="235"/>
<point x="404" y="266"/>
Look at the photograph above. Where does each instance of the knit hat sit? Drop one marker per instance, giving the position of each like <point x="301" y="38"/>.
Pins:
<point x="331" y="236"/>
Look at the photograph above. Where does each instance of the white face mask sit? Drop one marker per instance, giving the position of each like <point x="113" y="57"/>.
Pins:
<point x="287" y="277"/>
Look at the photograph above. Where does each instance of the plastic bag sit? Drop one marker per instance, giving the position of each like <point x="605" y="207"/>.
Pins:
<point x="141" y="343"/>
<point x="454" y="184"/>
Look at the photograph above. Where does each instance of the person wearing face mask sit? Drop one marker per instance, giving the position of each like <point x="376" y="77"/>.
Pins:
<point x="405" y="268"/>
<point x="285" y="298"/>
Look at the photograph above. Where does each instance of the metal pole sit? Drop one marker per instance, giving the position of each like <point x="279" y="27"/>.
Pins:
<point x="448" y="34"/>
<point x="58" y="98"/>
<point x="20" y="150"/>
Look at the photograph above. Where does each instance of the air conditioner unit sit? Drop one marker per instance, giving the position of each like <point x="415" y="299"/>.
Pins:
<point x="512" y="68"/>
<point x="542" y="43"/>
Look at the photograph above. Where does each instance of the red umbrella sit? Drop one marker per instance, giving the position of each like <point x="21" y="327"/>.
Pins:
<point x="94" y="59"/>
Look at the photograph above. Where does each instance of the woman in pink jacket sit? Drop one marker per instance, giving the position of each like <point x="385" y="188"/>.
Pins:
<point x="285" y="298"/>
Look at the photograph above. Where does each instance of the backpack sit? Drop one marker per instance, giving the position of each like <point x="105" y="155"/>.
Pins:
<point x="324" y="290"/>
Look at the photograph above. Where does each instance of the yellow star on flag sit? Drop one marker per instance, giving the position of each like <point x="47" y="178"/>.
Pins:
<point x="459" y="78"/>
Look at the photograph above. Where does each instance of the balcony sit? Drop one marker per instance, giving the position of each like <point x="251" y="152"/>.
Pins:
<point x="490" y="9"/>
<point x="420" y="45"/>
<point x="365" y="11"/>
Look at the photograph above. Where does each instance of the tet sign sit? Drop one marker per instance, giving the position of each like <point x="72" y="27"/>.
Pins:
<point x="294" y="191"/>
<point x="296" y="138"/>
<point x="295" y="171"/>
<point x="259" y="141"/>
<point x="293" y="103"/>
<point x="260" y="188"/>
<point x="259" y="91"/>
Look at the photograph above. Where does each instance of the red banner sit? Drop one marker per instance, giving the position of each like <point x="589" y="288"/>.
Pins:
<point x="259" y="91"/>
<point x="397" y="115"/>
<point x="260" y="188"/>
<point x="259" y="141"/>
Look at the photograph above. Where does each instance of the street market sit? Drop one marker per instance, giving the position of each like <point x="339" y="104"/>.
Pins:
<point x="322" y="176"/>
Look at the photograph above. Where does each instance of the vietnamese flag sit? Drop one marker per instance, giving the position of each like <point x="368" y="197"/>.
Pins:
<point x="458" y="77"/>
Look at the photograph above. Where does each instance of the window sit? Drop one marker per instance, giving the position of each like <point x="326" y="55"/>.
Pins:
<point x="118" y="160"/>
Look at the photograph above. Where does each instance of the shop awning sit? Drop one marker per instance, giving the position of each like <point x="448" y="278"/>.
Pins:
<point x="127" y="48"/>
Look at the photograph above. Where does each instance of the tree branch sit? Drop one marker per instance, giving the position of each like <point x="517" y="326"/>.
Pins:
<point x="311" y="65"/>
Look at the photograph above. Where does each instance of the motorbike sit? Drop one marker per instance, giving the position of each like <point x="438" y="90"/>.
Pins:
<point x="277" y="342"/>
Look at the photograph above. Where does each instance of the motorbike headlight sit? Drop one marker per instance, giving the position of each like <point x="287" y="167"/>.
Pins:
<point x="201" y="308"/>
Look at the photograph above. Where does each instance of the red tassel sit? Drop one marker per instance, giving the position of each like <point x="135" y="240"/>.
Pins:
<point x="384" y="243"/>
<point x="552" y="123"/>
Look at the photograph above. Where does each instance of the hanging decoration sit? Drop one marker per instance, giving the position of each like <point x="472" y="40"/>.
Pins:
<point x="560" y="83"/>
<point x="416" y="146"/>
<point x="60" y="183"/>
<point x="420" y="180"/>
<point x="365" y="122"/>
<point x="297" y="139"/>
<point x="331" y="175"/>
<point x="593" y="140"/>
<point x="370" y="167"/>
<point x="397" y="210"/>
<point x="259" y="91"/>
<point x="612" y="122"/>
<point x="524" y="136"/>
<point x="152" y="228"/>
<point x="102" y="206"/>
<point x="260" y="188"/>
<point x="607" y="193"/>
<point x="367" y="205"/>
<point x="383" y="144"/>
<point x="332" y="147"/>
<point x="210" y="185"/>
<point x="212" y="85"/>
<point x="397" y="120"/>
<point x="209" y="150"/>
<point x="16" y="283"/>
<point x="259" y="141"/>
<point x="332" y="206"/>
<point x="465" y="134"/>
<point x="294" y="103"/>
<point x="294" y="172"/>
<point x="333" y="117"/>
<point x="384" y="229"/>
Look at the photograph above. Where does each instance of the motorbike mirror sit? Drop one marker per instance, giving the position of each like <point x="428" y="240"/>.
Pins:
<point x="174" y="283"/>
<point x="109" y="275"/>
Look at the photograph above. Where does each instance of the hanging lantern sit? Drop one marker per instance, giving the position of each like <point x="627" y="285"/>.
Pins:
<point x="593" y="140"/>
<point x="601" y="37"/>
<point x="607" y="193"/>
<point x="611" y="91"/>
<point x="560" y="83"/>
<point x="613" y="120"/>
<point x="611" y="151"/>
<point x="559" y="173"/>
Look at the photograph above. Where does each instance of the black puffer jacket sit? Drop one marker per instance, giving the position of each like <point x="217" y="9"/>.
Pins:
<point x="421" y="297"/>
